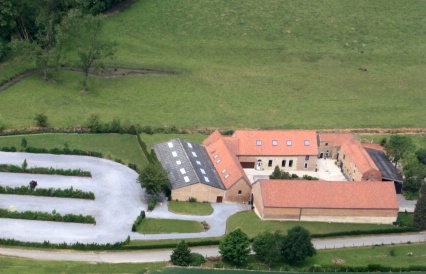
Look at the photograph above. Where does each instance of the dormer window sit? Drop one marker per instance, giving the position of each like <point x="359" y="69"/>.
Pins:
<point x="274" y="143"/>
<point x="307" y="143"/>
<point x="288" y="142"/>
<point x="258" y="142"/>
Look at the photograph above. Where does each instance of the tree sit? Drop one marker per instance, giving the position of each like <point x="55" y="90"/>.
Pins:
<point x="421" y="156"/>
<point x="267" y="246"/>
<point x="24" y="165"/>
<point x="181" y="255"/>
<point x="297" y="245"/>
<point x="41" y="119"/>
<point x="398" y="147"/>
<point x="235" y="247"/>
<point x="83" y="33"/>
<point x="153" y="178"/>
<point x="419" y="218"/>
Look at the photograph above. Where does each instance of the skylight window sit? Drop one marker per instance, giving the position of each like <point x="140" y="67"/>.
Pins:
<point x="174" y="153"/>
<point x="223" y="171"/>
<point x="202" y="171"/>
<point x="183" y="171"/>
<point x="199" y="163"/>
<point x="170" y="144"/>
<point x="218" y="161"/>
<point x="213" y="151"/>
<point x="217" y="155"/>
<point x="226" y="176"/>
<point x="190" y="145"/>
<point x="186" y="178"/>
<point x="258" y="142"/>
<point x="274" y="143"/>
<point x="307" y="143"/>
<point x="207" y="179"/>
<point x="289" y="143"/>
<point x="194" y="154"/>
<point x="178" y="162"/>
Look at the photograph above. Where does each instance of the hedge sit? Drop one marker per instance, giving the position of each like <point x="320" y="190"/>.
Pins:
<point x="172" y="245"/>
<point x="367" y="232"/>
<point x="45" y="170"/>
<point x="367" y="268"/>
<point x="45" y="216"/>
<point x="48" y="192"/>
<point x="138" y="221"/>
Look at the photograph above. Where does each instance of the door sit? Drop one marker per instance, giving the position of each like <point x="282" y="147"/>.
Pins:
<point x="321" y="155"/>
<point x="247" y="164"/>
<point x="219" y="199"/>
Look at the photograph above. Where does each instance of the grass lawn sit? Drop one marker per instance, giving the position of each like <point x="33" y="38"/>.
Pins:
<point x="419" y="140"/>
<point x="280" y="64"/>
<point x="250" y="223"/>
<point x="124" y="147"/>
<point x="187" y="208"/>
<point x="158" y="226"/>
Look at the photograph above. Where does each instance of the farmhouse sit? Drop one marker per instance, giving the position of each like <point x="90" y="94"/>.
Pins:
<point x="264" y="149"/>
<point x="190" y="171"/>
<point x="329" y="144"/>
<point x="352" y="202"/>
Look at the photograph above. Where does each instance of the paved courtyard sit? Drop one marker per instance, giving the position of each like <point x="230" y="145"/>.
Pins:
<point x="119" y="200"/>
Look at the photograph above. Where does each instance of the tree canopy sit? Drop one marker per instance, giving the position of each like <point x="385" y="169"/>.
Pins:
<point x="398" y="147"/>
<point x="153" y="178"/>
<point x="235" y="247"/>
<point x="297" y="245"/>
<point x="267" y="246"/>
<point x="420" y="210"/>
<point x="181" y="255"/>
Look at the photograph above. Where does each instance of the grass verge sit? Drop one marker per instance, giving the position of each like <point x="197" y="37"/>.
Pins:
<point x="158" y="226"/>
<point x="187" y="208"/>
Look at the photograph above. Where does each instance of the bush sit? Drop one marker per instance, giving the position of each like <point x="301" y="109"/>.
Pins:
<point x="45" y="216"/>
<point x="138" y="221"/>
<point x="197" y="259"/>
<point x="192" y="200"/>
<point x="48" y="192"/>
<point x="41" y="119"/>
<point x="152" y="202"/>
<point x="44" y="170"/>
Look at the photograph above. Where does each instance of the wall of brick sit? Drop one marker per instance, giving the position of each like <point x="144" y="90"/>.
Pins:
<point x="233" y="195"/>
<point x="298" y="162"/>
<point x="202" y="192"/>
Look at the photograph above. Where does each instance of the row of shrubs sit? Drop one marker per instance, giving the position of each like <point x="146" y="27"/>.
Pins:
<point x="45" y="170"/>
<point x="368" y="268"/>
<point x="367" y="232"/>
<point x="152" y="202"/>
<point x="138" y="221"/>
<point x="76" y="246"/>
<point x="48" y="192"/>
<point x="45" y="216"/>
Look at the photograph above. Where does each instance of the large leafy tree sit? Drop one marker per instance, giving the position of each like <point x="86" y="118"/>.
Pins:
<point x="398" y="147"/>
<point x="153" y="178"/>
<point x="297" y="245"/>
<point x="267" y="246"/>
<point x="420" y="210"/>
<point x="235" y="247"/>
<point x="181" y="255"/>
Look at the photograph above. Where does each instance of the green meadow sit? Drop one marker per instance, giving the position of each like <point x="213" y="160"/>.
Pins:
<point x="245" y="64"/>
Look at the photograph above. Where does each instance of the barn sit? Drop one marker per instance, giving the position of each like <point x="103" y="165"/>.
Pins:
<point x="323" y="201"/>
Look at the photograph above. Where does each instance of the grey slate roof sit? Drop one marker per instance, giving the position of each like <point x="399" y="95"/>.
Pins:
<point x="187" y="164"/>
<point x="388" y="170"/>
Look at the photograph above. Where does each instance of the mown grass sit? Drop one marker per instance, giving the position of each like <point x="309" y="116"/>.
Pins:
<point x="158" y="226"/>
<point x="250" y="223"/>
<point x="419" y="140"/>
<point x="187" y="208"/>
<point x="241" y="64"/>
<point x="113" y="146"/>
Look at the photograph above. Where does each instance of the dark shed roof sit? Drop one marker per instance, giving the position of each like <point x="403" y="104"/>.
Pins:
<point x="388" y="170"/>
<point x="187" y="164"/>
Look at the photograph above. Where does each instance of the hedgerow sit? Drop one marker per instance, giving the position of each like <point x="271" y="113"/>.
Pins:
<point x="48" y="192"/>
<point x="45" y="170"/>
<point x="45" y="216"/>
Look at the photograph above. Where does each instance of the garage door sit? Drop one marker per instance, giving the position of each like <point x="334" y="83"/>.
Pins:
<point x="247" y="164"/>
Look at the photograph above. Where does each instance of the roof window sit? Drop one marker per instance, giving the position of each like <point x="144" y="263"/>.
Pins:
<point x="186" y="178"/>
<point x="207" y="179"/>
<point x="194" y="154"/>
<point x="217" y="155"/>
<point x="183" y="171"/>
<point x="199" y="163"/>
<point x="274" y="143"/>
<point x="178" y="162"/>
<point x="170" y="144"/>
<point x="289" y="143"/>
<point x="307" y="143"/>
<point x="190" y="145"/>
<point x="202" y="171"/>
<point x="226" y="176"/>
<point x="218" y="161"/>
<point x="223" y="171"/>
<point x="174" y="153"/>
<point x="213" y="151"/>
<point x="258" y="142"/>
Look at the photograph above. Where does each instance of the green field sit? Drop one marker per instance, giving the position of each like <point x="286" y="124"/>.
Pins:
<point x="159" y="226"/>
<point x="113" y="146"/>
<point x="250" y="223"/>
<point x="241" y="64"/>
<point x="199" y="209"/>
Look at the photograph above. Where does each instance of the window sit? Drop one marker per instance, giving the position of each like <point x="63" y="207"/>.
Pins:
<point x="274" y="143"/>
<point x="288" y="142"/>
<point x="183" y="171"/>
<point x="170" y="144"/>
<point x="207" y="179"/>
<point x="307" y="157"/>
<point x="178" y="162"/>
<point x="307" y="143"/>
<point x="223" y="171"/>
<point x="283" y="163"/>
<point x="306" y="165"/>
<point x="326" y="144"/>
<point x="344" y="156"/>
<point x="213" y="151"/>
<point x="194" y="154"/>
<point x="258" y="142"/>
<point x="270" y="163"/>
<point x="199" y="163"/>
<point x="190" y="145"/>
<point x="186" y="178"/>
<point x="217" y="155"/>
<point x="174" y="153"/>
<point x="240" y="192"/>
<point x="218" y="161"/>
<point x="226" y="176"/>
<point x="202" y="171"/>
<point x="290" y="163"/>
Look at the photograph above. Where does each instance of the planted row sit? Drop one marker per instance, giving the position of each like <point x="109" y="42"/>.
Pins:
<point x="56" y="151"/>
<point x="138" y="221"/>
<point x="45" y="170"/>
<point x="45" y="216"/>
<point x="48" y="192"/>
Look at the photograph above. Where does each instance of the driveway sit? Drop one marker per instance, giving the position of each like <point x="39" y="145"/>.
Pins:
<point x="118" y="201"/>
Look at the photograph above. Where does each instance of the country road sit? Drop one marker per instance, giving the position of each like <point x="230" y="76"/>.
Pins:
<point x="164" y="254"/>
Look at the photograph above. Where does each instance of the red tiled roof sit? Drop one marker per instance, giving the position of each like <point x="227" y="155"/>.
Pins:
<point x="373" y="146"/>
<point x="274" y="142"/>
<point x="224" y="160"/>
<point x="323" y="194"/>
<point x="336" y="138"/>
<point x="359" y="156"/>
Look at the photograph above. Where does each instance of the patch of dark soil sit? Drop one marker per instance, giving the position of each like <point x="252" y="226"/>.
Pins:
<point x="119" y="7"/>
